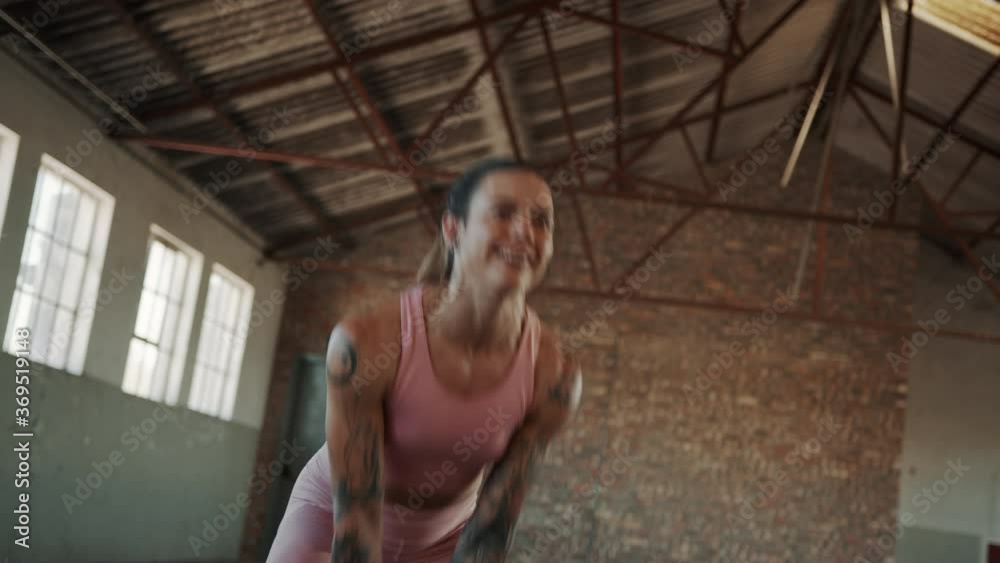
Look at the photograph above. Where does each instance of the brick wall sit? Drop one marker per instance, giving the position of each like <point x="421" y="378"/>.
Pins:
<point x="704" y="435"/>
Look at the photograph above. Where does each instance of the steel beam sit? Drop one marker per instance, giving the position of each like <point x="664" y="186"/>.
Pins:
<point x="901" y="329"/>
<point x="900" y="97"/>
<point x="647" y="33"/>
<point x="658" y="133"/>
<point x="507" y="120"/>
<point x="571" y="134"/>
<point x="723" y="76"/>
<point x="961" y="177"/>
<point x="430" y="221"/>
<point x="174" y="65"/>
<point x="369" y="54"/>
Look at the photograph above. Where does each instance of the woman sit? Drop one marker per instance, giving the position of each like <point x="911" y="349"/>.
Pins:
<point x="431" y="442"/>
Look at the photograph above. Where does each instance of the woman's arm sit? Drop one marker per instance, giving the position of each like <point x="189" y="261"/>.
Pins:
<point x="355" y="430"/>
<point x="487" y="536"/>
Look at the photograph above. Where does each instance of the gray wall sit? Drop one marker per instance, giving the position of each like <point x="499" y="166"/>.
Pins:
<point x="953" y="414"/>
<point x="954" y="395"/>
<point x="171" y="482"/>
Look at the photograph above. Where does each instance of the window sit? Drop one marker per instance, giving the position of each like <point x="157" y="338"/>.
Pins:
<point x="156" y="354"/>
<point x="220" y="348"/>
<point x="57" y="282"/>
<point x="8" y="151"/>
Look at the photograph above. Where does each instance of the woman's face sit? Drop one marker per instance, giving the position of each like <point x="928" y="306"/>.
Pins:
<point x="506" y="242"/>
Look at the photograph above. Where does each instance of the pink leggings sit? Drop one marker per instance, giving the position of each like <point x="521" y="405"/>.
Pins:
<point x="305" y="534"/>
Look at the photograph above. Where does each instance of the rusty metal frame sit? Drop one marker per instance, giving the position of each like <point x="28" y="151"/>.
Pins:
<point x="658" y="133"/>
<point x="723" y="81"/>
<point x="898" y="152"/>
<point x="937" y="208"/>
<point x="571" y="134"/>
<point x="326" y="223"/>
<point x="508" y="122"/>
<point x="429" y="222"/>
<point x="901" y="329"/>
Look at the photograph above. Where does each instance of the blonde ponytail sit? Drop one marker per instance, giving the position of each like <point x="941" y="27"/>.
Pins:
<point x="437" y="264"/>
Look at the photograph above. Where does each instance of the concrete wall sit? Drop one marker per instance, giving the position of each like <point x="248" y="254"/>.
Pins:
<point x="174" y="480"/>
<point x="952" y="417"/>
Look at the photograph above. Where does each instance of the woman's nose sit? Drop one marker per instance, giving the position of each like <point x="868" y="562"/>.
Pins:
<point x="522" y="226"/>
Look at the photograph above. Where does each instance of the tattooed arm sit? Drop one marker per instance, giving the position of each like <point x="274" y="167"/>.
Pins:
<point x="354" y="428"/>
<point x="487" y="536"/>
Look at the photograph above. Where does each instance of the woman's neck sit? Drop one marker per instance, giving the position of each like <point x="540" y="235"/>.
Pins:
<point x="477" y="318"/>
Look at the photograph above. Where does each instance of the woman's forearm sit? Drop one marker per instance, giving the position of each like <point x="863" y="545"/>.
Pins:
<point x="487" y="535"/>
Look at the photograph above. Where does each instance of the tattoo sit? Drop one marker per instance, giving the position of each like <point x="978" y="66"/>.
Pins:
<point x="348" y="548"/>
<point x="361" y="486"/>
<point x="487" y="536"/>
<point x="344" y="373"/>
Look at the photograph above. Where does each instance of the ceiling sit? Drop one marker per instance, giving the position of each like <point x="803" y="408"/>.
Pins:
<point x="318" y="101"/>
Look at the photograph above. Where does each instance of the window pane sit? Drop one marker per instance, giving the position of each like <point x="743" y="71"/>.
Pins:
<point x="160" y="376"/>
<point x="52" y="284"/>
<point x="180" y="275"/>
<point x="41" y="330"/>
<point x="84" y="223"/>
<point x="212" y="300"/>
<point x="43" y="216"/>
<point x="65" y="212"/>
<point x="232" y="298"/>
<point x="73" y="280"/>
<point x="157" y="312"/>
<point x="169" y="328"/>
<point x="154" y="265"/>
<point x="29" y="277"/>
<point x="167" y="273"/>
<point x="144" y="319"/>
<point x="133" y="366"/>
<point x="24" y="307"/>
<point x="149" y="359"/>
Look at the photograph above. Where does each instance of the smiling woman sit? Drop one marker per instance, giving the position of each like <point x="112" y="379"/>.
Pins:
<point x="429" y="459"/>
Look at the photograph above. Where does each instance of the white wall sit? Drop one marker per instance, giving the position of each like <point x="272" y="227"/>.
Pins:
<point x="48" y="123"/>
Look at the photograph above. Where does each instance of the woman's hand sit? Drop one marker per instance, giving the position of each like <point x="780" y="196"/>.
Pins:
<point x="487" y="536"/>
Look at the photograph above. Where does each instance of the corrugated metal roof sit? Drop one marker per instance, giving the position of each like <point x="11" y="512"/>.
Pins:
<point x="262" y="58"/>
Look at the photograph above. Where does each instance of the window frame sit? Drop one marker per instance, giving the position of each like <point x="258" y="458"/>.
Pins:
<point x="9" y="143"/>
<point x="186" y="303"/>
<point x="86" y="305"/>
<point x="198" y="395"/>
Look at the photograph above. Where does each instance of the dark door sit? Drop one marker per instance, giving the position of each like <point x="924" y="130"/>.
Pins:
<point x="304" y="420"/>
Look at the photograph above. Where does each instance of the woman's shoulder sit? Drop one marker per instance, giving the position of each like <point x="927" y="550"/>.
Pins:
<point x="373" y="319"/>
<point x="556" y="361"/>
